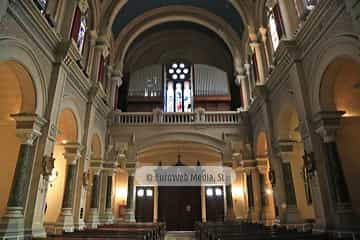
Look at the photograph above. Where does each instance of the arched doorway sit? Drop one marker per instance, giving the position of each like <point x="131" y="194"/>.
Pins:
<point x="68" y="133"/>
<point x="17" y="94"/>
<point x="179" y="206"/>
<point x="266" y="209"/>
<point x="340" y="91"/>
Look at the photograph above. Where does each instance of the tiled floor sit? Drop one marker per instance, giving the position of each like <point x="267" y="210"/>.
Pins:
<point x="180" y="236"/>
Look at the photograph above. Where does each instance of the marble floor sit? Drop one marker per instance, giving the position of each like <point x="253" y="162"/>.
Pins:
<point x="180" y="236"/>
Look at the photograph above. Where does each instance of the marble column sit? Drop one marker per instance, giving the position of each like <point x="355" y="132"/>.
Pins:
<point x="327" y="125"/>
<point x="12" y="223"/>
<point x="230" y="214"/>
<point x="242" y="81"/>
<point x="287" y="18"/>
<point x="65" y="221"/>
<point x="93" y="219"/>
<point x="109" y="217"/>
<point x="251" y="81"/>
<point x="130" y="203"/>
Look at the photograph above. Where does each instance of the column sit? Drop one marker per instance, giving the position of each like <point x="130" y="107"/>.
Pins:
<point x="65" y="221"/>
<point x="156" y="204"/>
<point x="327" y="125"/>
<point x="203" y="204"/>
<point x="256" y="46"/>
<point x="109" y="217"/>
<point x="130" y="202"/>
<point x="28" y="129"/>
<point x="93" y="220"/>
<point x="263" y="31"/>
<point x="251" y="82"/>
<point x="242" y="80"/>
<point x="116" y="82"/>
<point x="256" y="214"/>
<point x="229" y="213"/>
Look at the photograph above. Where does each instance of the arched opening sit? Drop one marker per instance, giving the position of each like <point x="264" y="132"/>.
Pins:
<point x="297" y="182"/>
<point x="95" y="155"/>
<point x="68" y="133"/>
<point x="265" y="209"/>
<point x="341" y="92"/>
<point x="17" y="94"/>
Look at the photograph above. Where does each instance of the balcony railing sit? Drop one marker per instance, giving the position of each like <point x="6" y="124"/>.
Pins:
<point x="159" y="117"/>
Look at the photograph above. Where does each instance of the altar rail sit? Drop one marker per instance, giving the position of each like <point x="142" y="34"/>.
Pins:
<point x="158" y="117"/>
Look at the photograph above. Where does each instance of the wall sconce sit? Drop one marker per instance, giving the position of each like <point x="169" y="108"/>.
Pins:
<point x="237" y="192"/>
<point x="268" y="191"/>
<point x="53" y="176"/>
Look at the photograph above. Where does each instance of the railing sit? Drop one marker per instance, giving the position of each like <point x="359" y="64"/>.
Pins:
<point x="159" y="117"/>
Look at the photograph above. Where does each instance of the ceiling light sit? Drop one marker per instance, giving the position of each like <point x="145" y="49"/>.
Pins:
<point x="175" y="76"/>
<point x="182" y="65"/>
<point x="171" y="71"/>
<point x="186" y="71"/>
<point x="175" y="65"/>
<point x="182" y="76"/>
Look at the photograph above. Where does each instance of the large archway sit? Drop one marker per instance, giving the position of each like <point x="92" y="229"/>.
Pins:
<point x="340" y="91"/>
<point x="17" y="94"/>
<point x="68" y="133"/>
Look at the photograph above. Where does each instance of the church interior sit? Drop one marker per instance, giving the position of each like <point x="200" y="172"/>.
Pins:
<point x="94" y="93"/>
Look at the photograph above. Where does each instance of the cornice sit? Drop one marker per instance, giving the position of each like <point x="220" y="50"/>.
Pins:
<point x="36" y="26"/>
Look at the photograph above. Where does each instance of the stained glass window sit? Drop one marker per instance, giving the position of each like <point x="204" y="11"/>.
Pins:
<point x="81" y="34"/>
<point x="178" y="94"/>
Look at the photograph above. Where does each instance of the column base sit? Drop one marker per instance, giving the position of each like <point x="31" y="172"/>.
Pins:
<point x="12" y="224"/>
<point x="230" y="214"/>
<point x="65" y="221"/>
<point x="292" y="216"/>
<point x="108" y="216"/>
<point x="38" y="231"/>
<point x="130" y="216"/>
<point x="93" y="220"/>
<point x="80" y="225"/>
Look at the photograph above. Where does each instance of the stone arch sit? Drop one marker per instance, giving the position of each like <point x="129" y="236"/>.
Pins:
<point x="338" y="46"/>
<point x="340" y="91"/>
<point x="177" y="13"/>
<point x="180" y="136"/>
<point x="17" y="94"/>
<point x="70" y="104"/>
<point x="18" y="51"/>
<point x="68" y="128"/>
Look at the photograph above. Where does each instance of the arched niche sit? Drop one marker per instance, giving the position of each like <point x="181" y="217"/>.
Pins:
<point x="17" y="94"/>
<point x="67" y="133"/>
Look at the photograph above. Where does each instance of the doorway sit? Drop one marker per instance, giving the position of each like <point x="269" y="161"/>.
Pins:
<point x="180" y="207"/>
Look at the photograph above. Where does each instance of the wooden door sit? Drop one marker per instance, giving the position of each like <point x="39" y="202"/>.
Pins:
<point x="144" y="208"/>
<point x="179" y="207"/>
<point x="214" y="203"/>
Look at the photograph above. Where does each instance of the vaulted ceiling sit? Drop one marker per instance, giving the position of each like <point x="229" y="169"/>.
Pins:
<point x="221" y="8"/>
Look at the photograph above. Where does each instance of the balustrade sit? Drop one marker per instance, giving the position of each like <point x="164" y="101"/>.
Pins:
<point x="167" y="118"/>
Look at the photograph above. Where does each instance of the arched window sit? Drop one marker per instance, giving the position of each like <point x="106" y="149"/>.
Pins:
<point x="79" y="28"/>
<point x="276" y="25"/>
<point x="41" y="4"/>
<point x="178" y="94"/>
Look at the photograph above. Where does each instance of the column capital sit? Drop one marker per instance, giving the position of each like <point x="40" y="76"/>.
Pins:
<point x="28" y="126"/>
<point x="96" y="165"/>
<point x="254" y="44"/>
<point x="285" y="147"/>
<point x="117" y="77"/>
<point x="327" y="123"/>
<point x="72" y="152"/>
